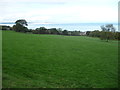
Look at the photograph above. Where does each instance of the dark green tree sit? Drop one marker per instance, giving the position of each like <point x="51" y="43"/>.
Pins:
<point x="103" y="35"/>
<point x="88" y="33"/>
<point x="42" y="30"/>
<point x="20" y="26"/>
<point x="95" y="33"/>
<point x="75" y="33"/>
<point x="53" y="31"/>
<point x="65" y="32"/>
<point x="117" y="35"/>
<point x="22" y="22"/>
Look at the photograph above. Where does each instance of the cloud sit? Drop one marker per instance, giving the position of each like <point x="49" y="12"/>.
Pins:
<point x="42" y="1"/>
<point x="59" y="10"/>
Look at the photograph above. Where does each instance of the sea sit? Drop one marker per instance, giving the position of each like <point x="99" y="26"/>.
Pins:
<point x="68" y="26"/>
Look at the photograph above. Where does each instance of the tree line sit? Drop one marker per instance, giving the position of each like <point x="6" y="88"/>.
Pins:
<point x="20" y="26"/>
<point x="108" y="31"/>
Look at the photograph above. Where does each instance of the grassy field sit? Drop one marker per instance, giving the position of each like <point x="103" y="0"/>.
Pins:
<point x="55" y="61"/>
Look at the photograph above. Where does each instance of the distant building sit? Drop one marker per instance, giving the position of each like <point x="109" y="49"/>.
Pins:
<point x="82" y="33"/>
<point x="4" y="27"/>
<point x="69" y="32"/>
<point x="76" y="33"/>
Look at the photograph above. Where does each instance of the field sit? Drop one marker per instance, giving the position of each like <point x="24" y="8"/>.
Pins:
<point x="56" y="61"/>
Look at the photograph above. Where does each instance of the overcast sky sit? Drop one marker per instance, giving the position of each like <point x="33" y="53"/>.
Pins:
<point x="59" y="11"/>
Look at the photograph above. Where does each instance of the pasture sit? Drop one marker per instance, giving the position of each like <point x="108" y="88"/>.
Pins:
<point x="56" y="61"/>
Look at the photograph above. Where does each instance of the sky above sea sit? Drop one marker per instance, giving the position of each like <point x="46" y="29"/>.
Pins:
<point x="59" y="11"/>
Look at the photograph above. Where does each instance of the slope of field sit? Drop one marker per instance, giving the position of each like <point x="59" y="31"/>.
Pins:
<point x="55" y="61"/>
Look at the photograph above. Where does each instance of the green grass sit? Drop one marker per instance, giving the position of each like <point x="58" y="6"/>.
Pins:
<point x="55" y="61"/>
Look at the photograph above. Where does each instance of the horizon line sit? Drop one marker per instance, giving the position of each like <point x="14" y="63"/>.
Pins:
<point x="58" y="23"/>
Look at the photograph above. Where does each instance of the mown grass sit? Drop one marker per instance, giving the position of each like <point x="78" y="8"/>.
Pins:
<point x="55" y="61"/>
